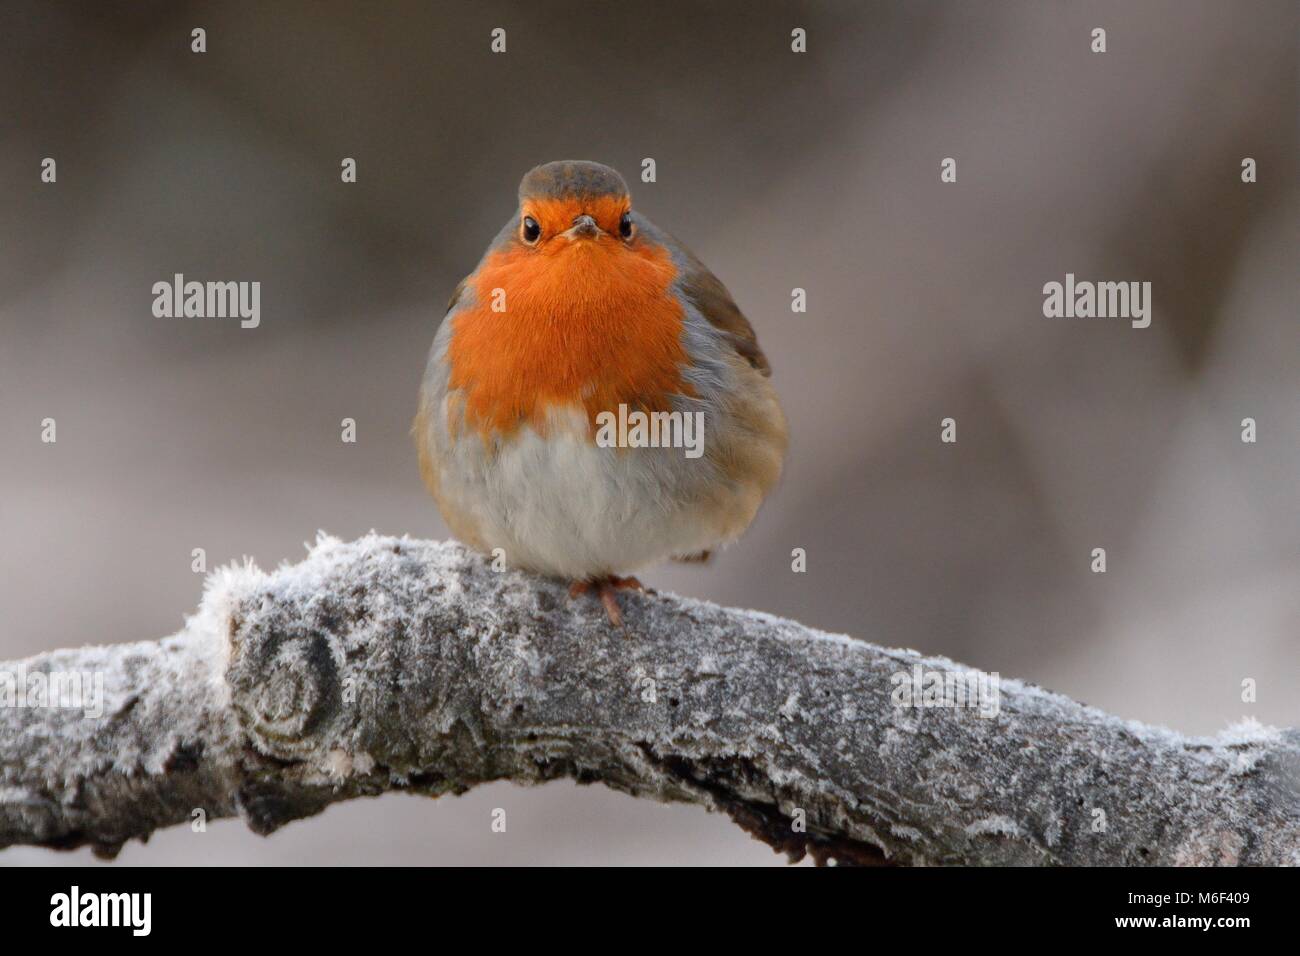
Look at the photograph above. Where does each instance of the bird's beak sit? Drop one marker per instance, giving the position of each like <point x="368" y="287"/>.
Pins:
<point x="584" y="227"/>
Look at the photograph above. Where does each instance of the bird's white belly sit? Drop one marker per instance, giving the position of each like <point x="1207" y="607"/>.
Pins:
<point x="562" y="505"/>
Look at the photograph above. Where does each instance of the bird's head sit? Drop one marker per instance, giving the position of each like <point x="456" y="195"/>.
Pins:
<point x="574" y="204"/>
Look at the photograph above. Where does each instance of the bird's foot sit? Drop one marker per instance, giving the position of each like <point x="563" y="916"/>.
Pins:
<point x="699" y="557"/>
<point x="607" y="589"/>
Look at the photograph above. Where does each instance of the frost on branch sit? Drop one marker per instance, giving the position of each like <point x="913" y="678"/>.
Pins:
<point x="387" y="663"/>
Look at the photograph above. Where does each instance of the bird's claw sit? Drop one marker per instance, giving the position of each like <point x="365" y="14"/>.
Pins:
<point x="607" y="589"/>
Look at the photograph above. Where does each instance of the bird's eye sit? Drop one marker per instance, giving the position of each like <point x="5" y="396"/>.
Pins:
<point x="531" y="229"/>
<point x="625" y="226"/>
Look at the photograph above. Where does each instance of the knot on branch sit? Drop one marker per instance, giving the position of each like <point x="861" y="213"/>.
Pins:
<point x="284" y="687"/>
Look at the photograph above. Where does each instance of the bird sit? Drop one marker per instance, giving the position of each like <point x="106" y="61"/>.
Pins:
<point x="582" y="322"/>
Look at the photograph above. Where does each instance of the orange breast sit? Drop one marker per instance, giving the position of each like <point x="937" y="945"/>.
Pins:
<point x="589" y="324"/>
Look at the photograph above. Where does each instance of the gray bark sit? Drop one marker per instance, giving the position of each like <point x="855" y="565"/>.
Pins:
<point x="387" y="664"/>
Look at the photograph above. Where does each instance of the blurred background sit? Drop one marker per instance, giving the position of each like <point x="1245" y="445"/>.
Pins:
<point x="781" y="170"/>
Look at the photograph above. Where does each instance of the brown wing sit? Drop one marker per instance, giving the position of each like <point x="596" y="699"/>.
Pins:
<point x="456" y="294"/>
<point x="713" y="300"/>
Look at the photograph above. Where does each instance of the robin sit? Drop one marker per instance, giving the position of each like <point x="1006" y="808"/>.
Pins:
<point x="594" y="401"/>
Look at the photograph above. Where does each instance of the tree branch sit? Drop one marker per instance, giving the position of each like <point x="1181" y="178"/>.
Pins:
<point x="388" y="664"/>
